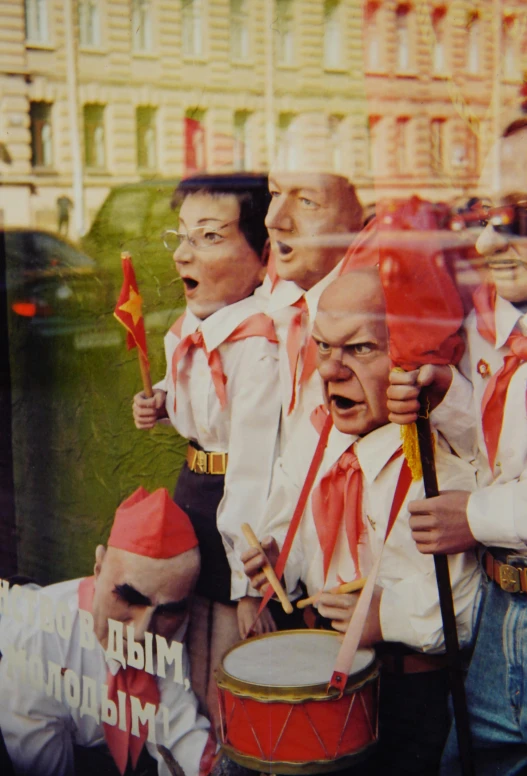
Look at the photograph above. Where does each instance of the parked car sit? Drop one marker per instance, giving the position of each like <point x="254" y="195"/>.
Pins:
<point x="56" y="288"/>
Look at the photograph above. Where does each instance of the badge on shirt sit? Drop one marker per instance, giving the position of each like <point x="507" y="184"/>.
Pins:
<point x="483" y="369"/>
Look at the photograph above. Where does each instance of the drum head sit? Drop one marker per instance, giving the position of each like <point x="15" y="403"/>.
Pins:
<point x="290" y="658"/>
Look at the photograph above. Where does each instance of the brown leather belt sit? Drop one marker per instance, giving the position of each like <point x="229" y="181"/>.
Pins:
<point x="509" y="577"/>
<point x="416" y="663"/>
<point x="201" y="462"/>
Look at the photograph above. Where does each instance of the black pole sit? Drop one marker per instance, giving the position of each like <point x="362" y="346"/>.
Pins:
<point x="446" y="602"/>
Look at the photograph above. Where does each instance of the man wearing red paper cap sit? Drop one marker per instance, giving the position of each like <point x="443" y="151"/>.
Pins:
<point x="313" y="217"/>
<point x="494" y="515"/>
<point x="360" y="493"/>
<point x="96" y="666"/>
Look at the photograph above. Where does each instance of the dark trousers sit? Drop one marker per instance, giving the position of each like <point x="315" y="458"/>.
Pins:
<point x="413" y="725"/>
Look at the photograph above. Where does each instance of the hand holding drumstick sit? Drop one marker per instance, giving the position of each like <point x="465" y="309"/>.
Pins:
<point x="258" y="565"/>
<point x="347" y="587"/>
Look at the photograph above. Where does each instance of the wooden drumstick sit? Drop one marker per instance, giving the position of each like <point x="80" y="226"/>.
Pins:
<point x="268" y="570"/>
<point x="347" y="587"/>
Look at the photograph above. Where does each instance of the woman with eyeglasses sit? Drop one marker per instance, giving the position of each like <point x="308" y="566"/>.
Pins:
<point x="221" y="393"/>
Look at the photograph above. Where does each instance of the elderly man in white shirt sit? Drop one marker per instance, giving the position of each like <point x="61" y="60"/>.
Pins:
<point x="87" y="663"/>
<point x="496" y="514"/>
<point x="312" y="219"/>
<point x="346" y="518"/>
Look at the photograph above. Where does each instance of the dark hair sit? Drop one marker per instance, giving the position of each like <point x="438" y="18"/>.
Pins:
<point x="250" y="189"/>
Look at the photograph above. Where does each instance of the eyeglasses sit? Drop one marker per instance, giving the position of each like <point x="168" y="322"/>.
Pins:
<point x="201" y="238"/>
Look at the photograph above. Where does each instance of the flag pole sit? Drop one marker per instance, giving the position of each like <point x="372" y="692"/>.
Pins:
<point x="446" y="603"/>
<point x="145" y="375"/>
<point x="133" y="320"/>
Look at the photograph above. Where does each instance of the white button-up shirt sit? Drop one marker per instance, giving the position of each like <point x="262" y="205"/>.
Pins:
<point x="247" y="429"/>
<point x="409" y="609"/>
<point x="497" y="512"/>
<point x="279" y="306"/>
<point x="40" y="731"/>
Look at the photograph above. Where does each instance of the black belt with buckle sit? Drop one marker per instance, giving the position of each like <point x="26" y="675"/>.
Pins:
<point x="509" y="574"/>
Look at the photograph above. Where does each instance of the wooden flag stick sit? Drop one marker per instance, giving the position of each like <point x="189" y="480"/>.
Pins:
<point x="446" y="602"/>
<point x="145" y="375"/>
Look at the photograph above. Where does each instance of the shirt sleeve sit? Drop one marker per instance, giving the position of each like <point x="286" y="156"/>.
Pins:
<point x="497" y="514"/>
<point x="179" y="728"/>
<point x="253" y="440"/>
<point x="37" y="729"/>
<point x="409" y="610"/>
<point x="455" y="418"/>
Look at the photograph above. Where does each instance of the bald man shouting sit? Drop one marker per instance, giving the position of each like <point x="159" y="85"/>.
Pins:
<point x="363" y="483"/>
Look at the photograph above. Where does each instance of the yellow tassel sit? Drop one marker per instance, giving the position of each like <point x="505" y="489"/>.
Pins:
<point x="411" y="450"/>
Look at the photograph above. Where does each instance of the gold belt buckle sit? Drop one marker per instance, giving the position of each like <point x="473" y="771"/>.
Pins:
<point x="509" y="578"/>
<point x="201" y="461"/>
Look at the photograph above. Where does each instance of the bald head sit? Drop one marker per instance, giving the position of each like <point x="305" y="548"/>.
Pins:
<point x="357" y="293"/>
<point x="353" y="360"/>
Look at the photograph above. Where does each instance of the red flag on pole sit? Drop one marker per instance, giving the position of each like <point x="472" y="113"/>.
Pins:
<point x="128" y="309"/>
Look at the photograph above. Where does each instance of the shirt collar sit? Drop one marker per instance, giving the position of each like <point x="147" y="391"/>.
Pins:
<point x="376" y="448"/>
<point x="286" y="292"/>
<point x="220" y="325"/>
<point x="506" y="316"/>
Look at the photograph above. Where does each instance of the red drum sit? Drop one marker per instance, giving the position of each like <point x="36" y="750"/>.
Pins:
<point x="276" y="715"/>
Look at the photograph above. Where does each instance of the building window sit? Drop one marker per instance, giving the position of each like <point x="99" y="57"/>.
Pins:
<point x="287" y="142"/>
<point x="284" y="27"/>
<point x="439" y="54"/>
<point x="146" y="137"/>
<point x="192" y="28"/>
<point x="94" y="150"/>
<point x="402" y="36"/>
<point x="89" y="23"/>
<point x="509" y="48"/>
<point x="371" y="37"/>
<point x="242" y="157"/>
<point x="36" y="21"/>
<point x="335" y="124"/>
<point x="195" y="142"/>
<point x="473" y="47"/>
<point x="41" y="141"/>
<point x="374" y="145"/>
<point x="402" y="147"/>
<point x="333" y="25"/>
<point x="239" y="30"/>
<point x="437" y="130"/>
<point x="141" y="25"/>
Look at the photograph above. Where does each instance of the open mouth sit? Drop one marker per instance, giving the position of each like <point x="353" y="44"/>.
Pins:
<point x="283" y="248"/>
<point x="342" y="402"/>
<point x="190" y="284"/>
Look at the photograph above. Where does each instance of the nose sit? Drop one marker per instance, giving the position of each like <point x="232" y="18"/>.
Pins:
<point x="332" y="369"/>
<point x="183" y="253"/>
<point x="142" y="622"/>
<point x="279" y="214"/>
<point x="490" y="241"/>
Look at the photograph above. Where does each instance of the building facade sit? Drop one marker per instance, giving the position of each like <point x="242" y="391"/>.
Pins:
<point x="403" y="97"/>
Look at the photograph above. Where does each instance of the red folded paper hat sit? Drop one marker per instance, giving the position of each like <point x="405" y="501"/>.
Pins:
<point x="424" y="311"/>
<point x="152" y="524"/>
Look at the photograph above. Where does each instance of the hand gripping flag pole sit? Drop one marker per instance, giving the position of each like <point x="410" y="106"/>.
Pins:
<point x="128" y="312"/>
<point x="424" y="316"/>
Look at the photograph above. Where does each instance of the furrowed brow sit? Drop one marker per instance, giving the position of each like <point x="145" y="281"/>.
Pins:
<point x="131" y="595"/>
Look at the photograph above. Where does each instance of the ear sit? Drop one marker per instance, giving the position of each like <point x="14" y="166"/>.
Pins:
<point x="100" y="553"/>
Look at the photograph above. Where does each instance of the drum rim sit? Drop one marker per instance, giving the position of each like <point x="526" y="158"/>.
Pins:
<point x="294" y="693"/>
<point x="297" y="767"/>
